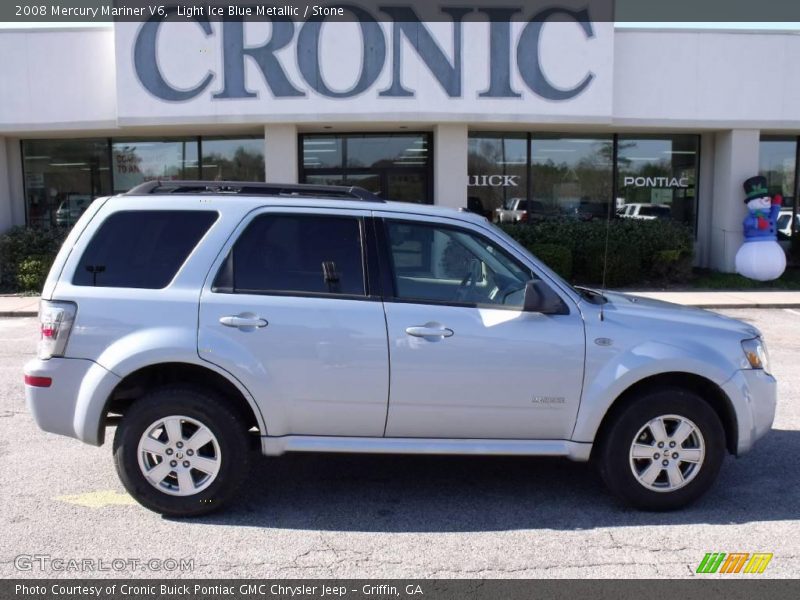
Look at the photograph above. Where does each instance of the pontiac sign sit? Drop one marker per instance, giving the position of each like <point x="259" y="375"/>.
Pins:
<point x="656" y="182"/>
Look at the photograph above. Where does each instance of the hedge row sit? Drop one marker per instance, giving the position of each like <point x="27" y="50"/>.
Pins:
<point x="25" y="257"/>
<point x="637" y="252"/>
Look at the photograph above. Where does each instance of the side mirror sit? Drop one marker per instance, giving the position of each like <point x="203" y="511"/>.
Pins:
<point x="539" y="297"/>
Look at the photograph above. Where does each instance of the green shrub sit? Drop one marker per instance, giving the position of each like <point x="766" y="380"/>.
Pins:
<point x="556" y="256"/>
<point x="638" y="251"/>
<point x="32" y="273"/>
<point x="20" y="244"/>
<point x="621" y="266"/>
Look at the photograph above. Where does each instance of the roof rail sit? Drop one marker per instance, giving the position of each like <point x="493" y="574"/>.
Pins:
<point x="253" y="188"/>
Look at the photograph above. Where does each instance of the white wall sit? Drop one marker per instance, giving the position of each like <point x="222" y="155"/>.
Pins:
<point x="450" y="149"/>
<point x="57" y="80"/>
<point x="707" y="79"/>
<point x="280" y="153"/>
<point x="63" y="80"/>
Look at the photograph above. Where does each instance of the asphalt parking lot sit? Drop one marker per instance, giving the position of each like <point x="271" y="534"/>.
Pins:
<point x="393" y="516"/>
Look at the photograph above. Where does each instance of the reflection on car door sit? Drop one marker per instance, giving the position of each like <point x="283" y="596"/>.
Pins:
<point x="466" y="361"/>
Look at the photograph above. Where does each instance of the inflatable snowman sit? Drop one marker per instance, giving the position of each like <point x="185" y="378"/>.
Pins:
<point x="760" y="257"/>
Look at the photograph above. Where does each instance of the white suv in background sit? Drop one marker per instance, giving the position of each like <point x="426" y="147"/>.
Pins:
<point x="204" y="317"/>
<point x="644" y="212"/>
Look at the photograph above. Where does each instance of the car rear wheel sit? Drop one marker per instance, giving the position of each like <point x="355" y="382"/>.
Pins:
<point x="181" y="452"/>
<point x="664" y="449"/>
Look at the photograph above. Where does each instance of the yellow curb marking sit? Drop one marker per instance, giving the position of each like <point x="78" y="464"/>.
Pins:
<point x="98" y="499"/>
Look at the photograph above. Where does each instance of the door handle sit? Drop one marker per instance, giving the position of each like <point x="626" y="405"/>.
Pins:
<point x="245" y="321"/>
<point x="429" y="331"/>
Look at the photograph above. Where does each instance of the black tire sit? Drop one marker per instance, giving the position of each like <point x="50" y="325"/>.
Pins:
<point x="209" y="410"/>
<point x="614" y="458"/>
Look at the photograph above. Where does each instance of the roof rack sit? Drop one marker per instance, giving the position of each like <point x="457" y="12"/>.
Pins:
<point x="251" y="188"/>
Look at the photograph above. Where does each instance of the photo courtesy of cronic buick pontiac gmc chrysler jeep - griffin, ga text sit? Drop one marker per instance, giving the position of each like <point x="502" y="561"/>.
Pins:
<point x="204" y="319"/>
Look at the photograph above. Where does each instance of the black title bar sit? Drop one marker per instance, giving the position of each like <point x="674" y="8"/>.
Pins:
<point x="701" y="588"/>
<point x="107" y="11"/>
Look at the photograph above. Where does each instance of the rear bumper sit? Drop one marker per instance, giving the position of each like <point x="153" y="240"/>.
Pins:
<point x="73" y="404"/>
<point x="754" y="395"/>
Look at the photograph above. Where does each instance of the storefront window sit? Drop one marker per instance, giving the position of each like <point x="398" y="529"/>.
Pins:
<point x="233" y="159"/>
<point x="62" y="177"/>
<point x="657" y="177"/>
<point x="497" y="173"/>
<point x="778" y="162"/>
<point x="395" y="165"/>
<point x="571" y="176"/>
<point x="137" y="161"/>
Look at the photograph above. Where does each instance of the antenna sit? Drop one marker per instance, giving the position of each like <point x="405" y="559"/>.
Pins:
<point x="605" y="260"/>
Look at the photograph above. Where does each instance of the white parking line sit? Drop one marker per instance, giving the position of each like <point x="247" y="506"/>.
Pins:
<point x="12" y="322"/>
<point x="791" y="310"/>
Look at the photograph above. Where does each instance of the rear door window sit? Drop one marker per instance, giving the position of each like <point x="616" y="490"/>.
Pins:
<point x="296" y="255"/>
<point x="141" y="249"/>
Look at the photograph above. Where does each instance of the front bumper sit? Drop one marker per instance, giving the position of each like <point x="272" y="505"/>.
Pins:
<point x="754" y="395"/>
<point x="73" y="405"/>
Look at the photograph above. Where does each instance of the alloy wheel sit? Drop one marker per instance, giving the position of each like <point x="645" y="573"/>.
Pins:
<point x="179" y="455"/>
<point x="667" y="453"/>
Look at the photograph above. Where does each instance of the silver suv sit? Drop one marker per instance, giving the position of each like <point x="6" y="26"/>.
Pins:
<point x="206" y="318"/>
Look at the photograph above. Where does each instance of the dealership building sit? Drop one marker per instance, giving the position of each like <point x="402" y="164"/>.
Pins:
<point x="578" y="117"/>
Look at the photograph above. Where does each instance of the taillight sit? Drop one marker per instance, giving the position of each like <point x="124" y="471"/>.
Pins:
<point x="35" y="381"/>
<point x="523" y="218"/>
<point x="55" y="323"/>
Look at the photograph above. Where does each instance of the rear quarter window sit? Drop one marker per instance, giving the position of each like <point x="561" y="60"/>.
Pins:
<point x="141" y="249"/>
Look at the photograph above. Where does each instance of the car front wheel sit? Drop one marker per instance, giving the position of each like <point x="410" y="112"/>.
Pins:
<point x="181" y="452"/>
<point x="664" y="450"/>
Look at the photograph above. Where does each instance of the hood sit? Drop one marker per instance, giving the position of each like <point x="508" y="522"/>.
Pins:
<point x="637" y="307"/>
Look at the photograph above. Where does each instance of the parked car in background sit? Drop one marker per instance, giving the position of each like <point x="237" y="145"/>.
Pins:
<point x="520" y="210"/>
<point x="514" y="210"/>
<point x="207" y="319"/>
<point x="784" y="223"/>
<point x="644" y="211"/>
<point x="70" y="209"/>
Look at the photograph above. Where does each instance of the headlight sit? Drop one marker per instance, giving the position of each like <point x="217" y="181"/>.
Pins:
<point x="755" y="351"/>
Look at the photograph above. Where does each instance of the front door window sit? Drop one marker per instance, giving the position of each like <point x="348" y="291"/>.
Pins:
<point x="449" y="265"/>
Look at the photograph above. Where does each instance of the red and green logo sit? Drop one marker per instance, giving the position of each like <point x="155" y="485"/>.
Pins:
<point x="734" y="562"/>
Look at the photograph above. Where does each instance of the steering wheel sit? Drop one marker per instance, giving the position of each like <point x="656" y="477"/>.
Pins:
<point x="466" y="288"/>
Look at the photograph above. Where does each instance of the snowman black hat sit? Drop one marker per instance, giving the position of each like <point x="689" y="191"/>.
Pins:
<point x="755" y="187"/>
